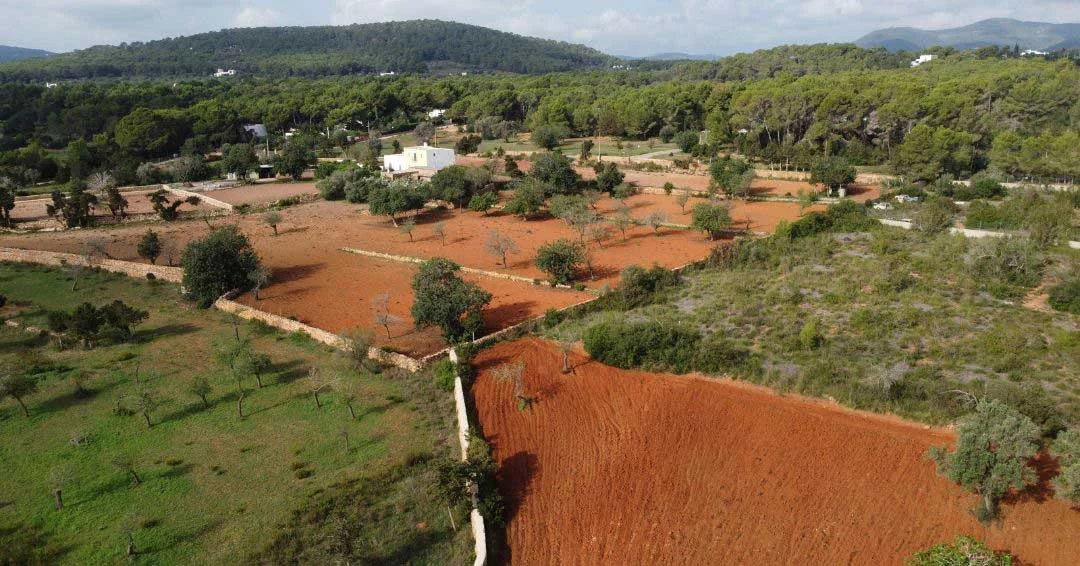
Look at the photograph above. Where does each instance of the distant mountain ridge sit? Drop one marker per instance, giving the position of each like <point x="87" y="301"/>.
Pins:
<point x="417" y="46"/>
<point x="12" y="53"/>
<point x="997" y="31"/>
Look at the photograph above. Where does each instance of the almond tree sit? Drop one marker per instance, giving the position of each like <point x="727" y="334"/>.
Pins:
<point x="16" y="384"/>
<point x="655" y="220"/>
<point x="499" y="245"/>
<point x="513" y="372"/>
<point x="272" y="219"/>
<point x="380" y="307"/>
<point x="316" y="384"/>
<point x="993" y="447"/>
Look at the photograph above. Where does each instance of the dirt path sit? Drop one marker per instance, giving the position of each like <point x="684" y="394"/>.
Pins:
<point x="623" y="467"/>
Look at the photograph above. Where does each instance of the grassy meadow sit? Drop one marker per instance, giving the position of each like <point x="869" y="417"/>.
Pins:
<point x="215" y="487"/>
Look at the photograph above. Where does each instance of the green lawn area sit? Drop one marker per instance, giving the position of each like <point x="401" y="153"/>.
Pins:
<point x="216" y="488"/>
<point x="888" y="320"/>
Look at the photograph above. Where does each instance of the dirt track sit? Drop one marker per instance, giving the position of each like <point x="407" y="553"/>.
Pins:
<point x="621" y="467"/>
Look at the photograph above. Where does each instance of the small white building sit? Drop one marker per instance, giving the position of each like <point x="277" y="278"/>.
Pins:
<point x="423" y="157"/>
<point x="1033" y="53"/>
<point x="225" y="73"/>
<point x="924" y="58"/>
<point x="436" y="113"/>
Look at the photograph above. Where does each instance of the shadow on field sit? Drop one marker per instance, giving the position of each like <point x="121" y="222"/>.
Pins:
<point x="515" y="475"/>
<point x="511" y="312"/>
<point x="290" y="371"/>
<point x="296" y="272"/>
<point x="72" y="398"/>
<point x="152" y="334"/>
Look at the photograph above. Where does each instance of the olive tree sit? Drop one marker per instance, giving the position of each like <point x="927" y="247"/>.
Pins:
<point x="15" y="383"/>
<point x="444" y="300"/>
<point x="561" y="259"/>
<point x="219" y="263"/>
<point x="713" y="219"/>
<point x="993" y="447"/>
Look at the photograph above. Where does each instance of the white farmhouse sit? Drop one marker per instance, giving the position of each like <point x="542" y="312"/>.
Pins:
<point x="924" y="58"/>
<point x="419" y="158"/>
<point x="225" y="73"/>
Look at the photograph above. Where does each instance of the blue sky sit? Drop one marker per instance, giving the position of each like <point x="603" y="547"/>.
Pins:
<point x="630" y="27"/>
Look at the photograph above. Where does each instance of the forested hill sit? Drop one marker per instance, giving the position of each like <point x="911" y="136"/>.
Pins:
<point x="996" y="31"/>
<point x="11" y="53"/>
<point x="403" y="47"/>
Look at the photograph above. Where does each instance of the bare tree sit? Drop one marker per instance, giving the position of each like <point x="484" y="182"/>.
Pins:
<point x="60" y="477"/>
<point x="499" y="245"/>
<point x="682" y="199"/>
<point x="380" y="308"/>
<point x="599" y="233"/>
<point x="359" y="341"/>
<point x="622" y="220"/>
<point x="566" y="346"/>
<point x="260" y="278"/>
<point x="100" y="183"/>
<point x="126" y="463"/>
<point x="316" y="384"/>
<point x="201" y="388"/>
<point x="408" y="226"/>
<point x="655" y="220"/>
<point x="349" y="395"/>
<point x="345" y="436"/>
<point x="513" y="372"/>
<point x="592" y="197"/>
<point x="579" y="220"/>
<point x="440" y="232"/>
<point x="146" y="402"/>
<point x="272" y="219"/>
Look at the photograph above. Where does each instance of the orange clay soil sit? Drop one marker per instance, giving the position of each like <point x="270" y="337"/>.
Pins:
<point x="626" y="467"/>
<point x="313" y="279"/>
<point x="262" y="193"/>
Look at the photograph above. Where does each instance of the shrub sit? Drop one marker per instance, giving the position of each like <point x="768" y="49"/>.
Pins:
<point x="844" y="216"/>
<point x="639" y="286"/>
<point x="964" y="551"/>
<point x="686" y="141"/>
<point x="644" y="344"/>
<point x="720" y="355"/>
<point x="1010" y="261"/>
<point x="934" y="216"/>
<point x="561" y="259"/>
<point x="1066" y="296"/>
<point x="444" y="374"/>
<point x="217" y="264"/>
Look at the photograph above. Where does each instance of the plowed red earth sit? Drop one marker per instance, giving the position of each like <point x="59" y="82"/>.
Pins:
<point x="623" y="467"/>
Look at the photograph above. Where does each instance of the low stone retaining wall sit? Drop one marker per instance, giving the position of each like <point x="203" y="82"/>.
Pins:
<point x="319" y="335"/>
<point x="464" y="269"/>
<point x="201" y="196"/>
<point x="57" y="259"/>
<point x="969" y="232"/>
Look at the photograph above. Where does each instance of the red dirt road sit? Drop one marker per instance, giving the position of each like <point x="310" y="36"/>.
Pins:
<point x="624" y="467"/>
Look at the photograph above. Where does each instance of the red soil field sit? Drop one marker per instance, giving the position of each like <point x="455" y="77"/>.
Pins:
<point x="467" y="231"/>
<point x="624" y="467"/>
<point x="313" y="279"/>
<point x="262" y="193"/>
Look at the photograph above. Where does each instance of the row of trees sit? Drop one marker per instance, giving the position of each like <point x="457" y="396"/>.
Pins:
<point x="864" y="112"/>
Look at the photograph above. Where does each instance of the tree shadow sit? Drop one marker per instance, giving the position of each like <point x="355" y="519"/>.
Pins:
<point x="289" y="371"/>
<point x="515" y="475"/>
<point x="297" y="272"/>
<point x="151" y="334"/>
<point x="176" y="471"/>
<point x="189" y="410"/>
<point x="432" y="216"/>
<point x="413" y="545"/>
<point x="509" y="312"/>
<point x="28" y="342"/>
<point x="72" y="398"/>
<point x="1046" y="467"/>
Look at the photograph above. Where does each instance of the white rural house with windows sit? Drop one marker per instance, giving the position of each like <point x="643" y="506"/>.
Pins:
<point x="924" y="58"/>
<point x="423" y="157"/>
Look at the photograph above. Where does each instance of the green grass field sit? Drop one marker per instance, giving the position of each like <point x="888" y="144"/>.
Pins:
<point x="216" y="488"/>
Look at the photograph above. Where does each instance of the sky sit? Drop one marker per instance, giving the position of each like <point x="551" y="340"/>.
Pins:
<point x="627" y="27"/>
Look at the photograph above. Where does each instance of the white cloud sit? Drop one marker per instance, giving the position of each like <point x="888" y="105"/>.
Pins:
<point x="252" y="17"/>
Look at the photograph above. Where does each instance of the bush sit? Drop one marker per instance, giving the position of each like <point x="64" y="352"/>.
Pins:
<point x="934" y="216"/>
<point x="639" y="286"/>
<point x="719" y="355"/>
<point x="686" y="141"/>
<point x="844" y="216"/>
<point x="561" y="259"/>
<point x="651" y="345"/>
<point x="445" y="374"/>
<point x="1064" y="297"/>
<point x="217" y="264"/>
<point x="1010" y="261"/>
<point x="964" y="551"/>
